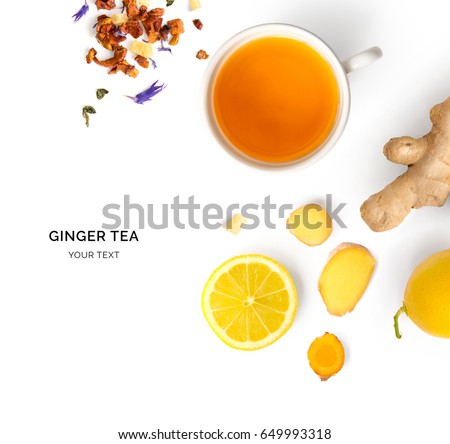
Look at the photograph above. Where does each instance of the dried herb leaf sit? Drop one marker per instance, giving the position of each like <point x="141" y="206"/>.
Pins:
<point x="86" y="111"/>
<point x="169" y="3"/>
<point x="101" y="93"/>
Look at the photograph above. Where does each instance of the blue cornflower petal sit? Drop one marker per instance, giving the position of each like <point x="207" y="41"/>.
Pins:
<point x="148" y="93"/>
<point x="153" y="63"/>
<point x="81" y="13"/>
<point x="163" y="48"/>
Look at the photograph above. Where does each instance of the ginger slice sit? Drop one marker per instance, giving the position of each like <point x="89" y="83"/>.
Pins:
<point x="310" y="224"/>
<point x="345" y="278"/>
<point x="326" y="356"/>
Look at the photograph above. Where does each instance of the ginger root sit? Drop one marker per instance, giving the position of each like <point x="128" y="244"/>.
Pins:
<point x="345" y="278"/>
<point x="326" y="356"/>
<point x="427" y="181"/>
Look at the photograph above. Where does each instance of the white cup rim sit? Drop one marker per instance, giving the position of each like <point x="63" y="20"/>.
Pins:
<point x="282" y="30"/>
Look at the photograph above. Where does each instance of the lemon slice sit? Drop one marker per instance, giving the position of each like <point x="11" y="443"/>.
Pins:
<point x="250" y="301"/>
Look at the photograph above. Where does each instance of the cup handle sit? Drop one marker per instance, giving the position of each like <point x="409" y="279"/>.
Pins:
<point x="362" y="59"/>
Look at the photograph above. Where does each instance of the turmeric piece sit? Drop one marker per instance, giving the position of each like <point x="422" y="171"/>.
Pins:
<point x="310" y="224"/>
<point x="345" y="278"/>
<point x="425" y="183"/>
<point x="326" y="356"/>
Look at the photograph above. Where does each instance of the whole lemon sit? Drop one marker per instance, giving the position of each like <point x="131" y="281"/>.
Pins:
<point x="427" y="296"/>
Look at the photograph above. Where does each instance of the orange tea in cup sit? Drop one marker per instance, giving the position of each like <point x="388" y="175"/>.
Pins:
<point x="275" y="99"/>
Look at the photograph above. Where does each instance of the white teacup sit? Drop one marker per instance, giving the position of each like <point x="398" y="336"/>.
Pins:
<point x="340" y="70"/>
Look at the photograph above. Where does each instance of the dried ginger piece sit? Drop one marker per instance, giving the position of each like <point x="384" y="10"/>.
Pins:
<point x="195" y="4"/>
<point x="105" y="4"/>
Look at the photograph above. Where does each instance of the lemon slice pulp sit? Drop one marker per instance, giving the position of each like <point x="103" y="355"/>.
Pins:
<point x="250" y="301"/>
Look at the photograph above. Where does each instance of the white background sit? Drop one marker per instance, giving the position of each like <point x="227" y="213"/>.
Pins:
<point x="90" y="348"/>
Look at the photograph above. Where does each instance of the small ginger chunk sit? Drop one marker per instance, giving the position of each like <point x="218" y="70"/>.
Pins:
<point x="310" y="224"/>
<point x="234" y="225"/>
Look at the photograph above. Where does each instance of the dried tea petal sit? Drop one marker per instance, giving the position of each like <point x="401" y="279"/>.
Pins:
<point x="101" y="92"/>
